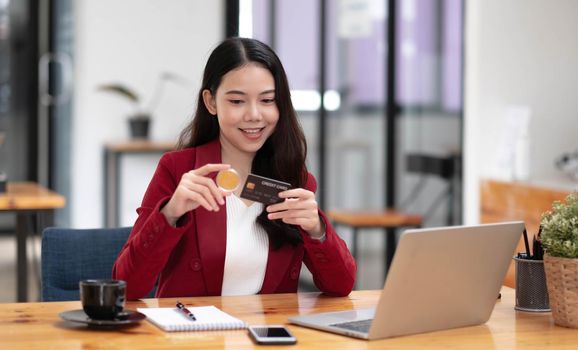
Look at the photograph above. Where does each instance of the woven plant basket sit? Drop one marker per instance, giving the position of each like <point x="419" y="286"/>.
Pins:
<point x="562" y="282"/>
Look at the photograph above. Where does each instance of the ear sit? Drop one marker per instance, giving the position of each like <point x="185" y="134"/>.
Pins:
<point x="210" y="102"/>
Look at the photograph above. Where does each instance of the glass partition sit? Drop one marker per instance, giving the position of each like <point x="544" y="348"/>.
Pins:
<point x="427" y="79"/>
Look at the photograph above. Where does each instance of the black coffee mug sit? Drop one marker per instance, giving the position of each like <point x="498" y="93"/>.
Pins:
<point x="102" y="299"/>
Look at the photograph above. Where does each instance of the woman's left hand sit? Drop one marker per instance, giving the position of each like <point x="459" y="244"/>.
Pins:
<point x="299" y="208"/>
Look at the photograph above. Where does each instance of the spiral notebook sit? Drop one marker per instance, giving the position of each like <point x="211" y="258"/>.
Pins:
<point x="209" y="318"/>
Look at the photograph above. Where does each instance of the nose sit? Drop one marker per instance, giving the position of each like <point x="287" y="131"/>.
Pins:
<point x="253" y="113"/>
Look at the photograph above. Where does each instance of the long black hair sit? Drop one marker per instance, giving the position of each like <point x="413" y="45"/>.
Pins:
<point x="282" y="156"/>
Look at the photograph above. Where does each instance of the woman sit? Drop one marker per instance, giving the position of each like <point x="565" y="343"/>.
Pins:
<point x="199" y="240"/>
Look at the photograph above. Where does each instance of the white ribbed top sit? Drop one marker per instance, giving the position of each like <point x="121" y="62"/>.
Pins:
<point x="247" y="249"/>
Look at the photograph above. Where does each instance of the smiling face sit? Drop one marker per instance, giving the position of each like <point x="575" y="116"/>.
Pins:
<point x="245" y="106"/>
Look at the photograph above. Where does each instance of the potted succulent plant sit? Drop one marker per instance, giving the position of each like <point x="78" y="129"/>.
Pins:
<point x="141" y="118"/>
<point x="560" y="241"/>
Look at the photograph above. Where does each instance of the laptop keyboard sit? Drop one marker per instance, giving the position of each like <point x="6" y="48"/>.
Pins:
<point x="358" y="326"/>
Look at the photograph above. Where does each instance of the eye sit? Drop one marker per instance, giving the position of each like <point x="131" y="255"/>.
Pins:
<point x="269" y="100"/>
<point x="236" y="102"/>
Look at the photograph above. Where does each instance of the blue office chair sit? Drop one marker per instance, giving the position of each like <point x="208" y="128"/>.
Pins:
<point x="71" y="255"/>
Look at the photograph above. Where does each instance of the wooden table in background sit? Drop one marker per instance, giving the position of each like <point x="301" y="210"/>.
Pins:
<point x="509" y="201"/>
<point x="38" y="326"/>
<point x="113" y="153"/>
<point x="387" y="220"/>
<point x="34" y="206"/>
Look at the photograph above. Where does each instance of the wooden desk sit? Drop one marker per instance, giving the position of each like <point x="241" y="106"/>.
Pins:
<point x="37" y="326"/>
<point x="33" y="205"/>
<point x="113" y="153"/>
<point x="507" y="201"/>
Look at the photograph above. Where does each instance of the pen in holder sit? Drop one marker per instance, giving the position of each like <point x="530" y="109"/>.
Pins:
<point x="531" y="290"/>
<point x="3" y="181"/>
<point x="3" y="177"/>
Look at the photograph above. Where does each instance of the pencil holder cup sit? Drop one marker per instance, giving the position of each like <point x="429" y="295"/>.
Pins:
<point x="531" y="290"/>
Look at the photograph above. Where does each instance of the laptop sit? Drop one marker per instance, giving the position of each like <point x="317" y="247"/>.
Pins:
<point x="440" y="278"/>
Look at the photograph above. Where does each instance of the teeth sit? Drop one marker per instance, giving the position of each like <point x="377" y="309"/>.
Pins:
<point x="251" y="131"/>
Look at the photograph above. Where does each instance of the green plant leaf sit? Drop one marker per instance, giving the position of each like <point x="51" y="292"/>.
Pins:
<point x="560" y="228"/>
<point x="120" y="90"/>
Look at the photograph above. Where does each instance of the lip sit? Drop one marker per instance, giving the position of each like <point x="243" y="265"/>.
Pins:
<point x="252" y="133"/>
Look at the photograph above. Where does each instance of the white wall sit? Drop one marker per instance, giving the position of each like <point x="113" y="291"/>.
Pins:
<point x="519" y="52"/>
<point x="132" y="41"/>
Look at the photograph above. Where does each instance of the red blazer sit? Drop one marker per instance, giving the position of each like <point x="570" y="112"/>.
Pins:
<point x="190" y="259"/>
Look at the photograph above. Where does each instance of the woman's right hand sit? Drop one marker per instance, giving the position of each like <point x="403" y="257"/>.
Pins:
<point x="195" y="189"/>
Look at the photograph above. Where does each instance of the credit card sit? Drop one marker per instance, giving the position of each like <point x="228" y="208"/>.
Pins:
<point x="263" y="189"/>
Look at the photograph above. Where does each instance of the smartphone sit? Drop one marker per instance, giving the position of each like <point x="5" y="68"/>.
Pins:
<point x="271" y="335"/>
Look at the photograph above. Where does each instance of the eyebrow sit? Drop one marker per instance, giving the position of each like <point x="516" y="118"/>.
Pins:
<point x="237" y="92"/>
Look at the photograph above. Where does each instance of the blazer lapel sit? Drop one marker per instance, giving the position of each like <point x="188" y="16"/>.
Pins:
<point x="211" y="227"/>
